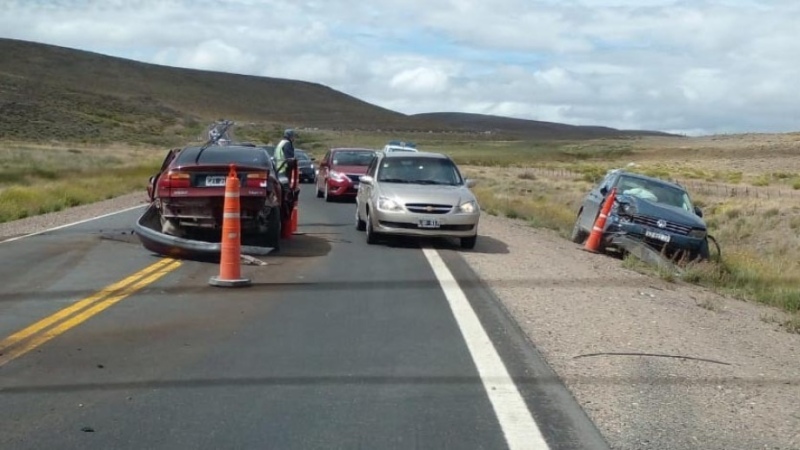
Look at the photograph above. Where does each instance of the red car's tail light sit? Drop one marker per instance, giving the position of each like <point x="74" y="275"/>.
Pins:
<point x="175" y="180"/>
<point x="256" y="180"/>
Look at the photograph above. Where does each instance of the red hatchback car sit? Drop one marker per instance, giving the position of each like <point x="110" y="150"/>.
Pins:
<point x="340" y="170"/>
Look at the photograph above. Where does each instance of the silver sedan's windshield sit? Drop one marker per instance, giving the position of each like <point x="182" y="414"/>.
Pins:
<point x="419" y="170"/>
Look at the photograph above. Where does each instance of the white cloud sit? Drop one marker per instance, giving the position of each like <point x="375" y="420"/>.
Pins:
<point x="213" y="54"/>
<point x="420" y="81"/>
<point x="689" y="66"/>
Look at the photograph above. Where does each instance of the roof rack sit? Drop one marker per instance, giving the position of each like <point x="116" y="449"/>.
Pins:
<point x="402" y="144"/>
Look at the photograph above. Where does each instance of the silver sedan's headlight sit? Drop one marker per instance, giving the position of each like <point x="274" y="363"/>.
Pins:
<point x="387" y="204"/>
<point x="696" y="233"/>
<point x="468" y="207"/>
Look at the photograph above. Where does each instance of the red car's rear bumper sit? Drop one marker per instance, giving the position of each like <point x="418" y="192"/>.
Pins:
<point x="206" y="212"/>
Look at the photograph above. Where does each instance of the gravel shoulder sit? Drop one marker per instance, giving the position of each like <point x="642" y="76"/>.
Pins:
<point x="38" y="224"/>
<point x="578" y="308"/>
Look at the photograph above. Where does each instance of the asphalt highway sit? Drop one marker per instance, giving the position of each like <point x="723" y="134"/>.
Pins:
<point x="335" y="345"/>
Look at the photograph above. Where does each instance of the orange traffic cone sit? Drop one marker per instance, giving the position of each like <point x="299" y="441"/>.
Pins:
<point x="290" y="227"/>
<point x="295" y="217"/>
<point x="231" y="246"/>
<point x="593" y="243"/>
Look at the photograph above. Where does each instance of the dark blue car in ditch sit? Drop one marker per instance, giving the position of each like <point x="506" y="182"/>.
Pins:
<point x="654" y="211"/>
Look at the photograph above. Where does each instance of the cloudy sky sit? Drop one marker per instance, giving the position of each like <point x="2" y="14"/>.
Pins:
<point x="692" y="66"/>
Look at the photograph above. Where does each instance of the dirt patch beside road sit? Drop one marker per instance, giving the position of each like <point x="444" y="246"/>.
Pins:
<point x="741" y="392"/>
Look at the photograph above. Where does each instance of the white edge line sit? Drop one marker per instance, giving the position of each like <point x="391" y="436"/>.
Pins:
<point x="519" y="427"/>
<point x="17" y="238"/>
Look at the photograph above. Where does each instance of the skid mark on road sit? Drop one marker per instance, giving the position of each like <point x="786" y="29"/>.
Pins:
<point x="519" y="427"/>
<point x="65" y="319"/>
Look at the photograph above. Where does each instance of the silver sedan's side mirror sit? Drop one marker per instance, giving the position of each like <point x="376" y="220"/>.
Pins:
<point x="365" y="179"/>
<point x="470" y="183"/>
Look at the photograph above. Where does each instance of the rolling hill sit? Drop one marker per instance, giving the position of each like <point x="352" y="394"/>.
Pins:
<point x="49" y="92"/>
<point x="531" y="129"/>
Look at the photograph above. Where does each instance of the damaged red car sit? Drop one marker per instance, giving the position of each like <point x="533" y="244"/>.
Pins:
<point x="189" y="192"/>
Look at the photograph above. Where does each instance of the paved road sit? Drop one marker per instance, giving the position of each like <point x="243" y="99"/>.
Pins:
<point x="337" y="344"/>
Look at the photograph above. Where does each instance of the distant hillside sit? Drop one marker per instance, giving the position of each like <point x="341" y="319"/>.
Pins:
<point x="55" y="92"/>
<point x="532" y="129"/>
<point x="50" y="92"/>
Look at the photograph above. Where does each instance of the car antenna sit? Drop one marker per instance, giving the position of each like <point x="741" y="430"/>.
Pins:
<point x="213" y="140"/>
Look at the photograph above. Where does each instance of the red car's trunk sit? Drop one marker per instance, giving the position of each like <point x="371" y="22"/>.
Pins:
<point x="194" y="195"/>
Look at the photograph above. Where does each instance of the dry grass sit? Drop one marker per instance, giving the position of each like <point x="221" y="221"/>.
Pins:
<point x="37" y="179"/>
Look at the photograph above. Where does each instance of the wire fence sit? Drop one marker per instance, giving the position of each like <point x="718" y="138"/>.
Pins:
<point x="726" y="190"/>
<point x="696" y="187"/>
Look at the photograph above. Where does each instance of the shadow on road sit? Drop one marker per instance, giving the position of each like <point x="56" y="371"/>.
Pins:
<point x="345" y="199"/>
<point x="489" y="245"/>
<point x="196" y="283"/>
<point x="388" y="380"/>
<point x="303" y="246"/>
<point x="348" y="224"/>
<point x="486" y="244"/>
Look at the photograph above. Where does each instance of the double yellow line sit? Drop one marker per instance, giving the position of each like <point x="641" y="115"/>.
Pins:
<point x="65" y="319"/>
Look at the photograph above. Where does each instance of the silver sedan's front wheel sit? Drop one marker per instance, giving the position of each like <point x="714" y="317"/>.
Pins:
<point x="372" y="238"/>
<point x="360" y="224"/>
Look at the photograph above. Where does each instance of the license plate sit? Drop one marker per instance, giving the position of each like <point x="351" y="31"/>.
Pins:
<point x="428" y="223"/>
<point x="659" y="236"/>
<point x="215" y="181"/>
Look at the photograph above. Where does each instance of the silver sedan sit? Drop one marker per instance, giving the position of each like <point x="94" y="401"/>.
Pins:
<point x="417" y="194"/>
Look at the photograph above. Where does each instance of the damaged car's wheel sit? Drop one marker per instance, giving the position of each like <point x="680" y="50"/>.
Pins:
<point x="578" y="236"/>
<point x="271" y="237"/>
<point x="704" y="253"/>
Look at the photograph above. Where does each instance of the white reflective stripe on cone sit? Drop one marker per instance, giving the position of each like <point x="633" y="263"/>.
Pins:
<point x="232" y="195"/>
<point x="230" y="215"/>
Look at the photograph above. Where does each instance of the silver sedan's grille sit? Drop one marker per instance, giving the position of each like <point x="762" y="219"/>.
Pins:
<point x="429" y="208"/>
<point x="670" y="226"/>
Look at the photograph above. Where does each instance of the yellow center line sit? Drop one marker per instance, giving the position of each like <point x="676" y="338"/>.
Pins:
<point x="77" y="306"/>
<point x="81" y="311"/>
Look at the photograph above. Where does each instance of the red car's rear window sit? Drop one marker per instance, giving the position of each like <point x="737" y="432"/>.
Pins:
<point x="250" y="156"/>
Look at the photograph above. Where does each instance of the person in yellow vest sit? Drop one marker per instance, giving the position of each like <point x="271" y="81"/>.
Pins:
<point x="285" y="149"/>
